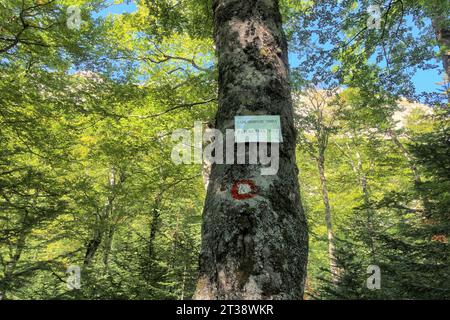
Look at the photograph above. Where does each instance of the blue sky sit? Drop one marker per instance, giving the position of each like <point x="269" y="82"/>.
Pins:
<point x="117" y="9"/>
<point x="424" y="80"/>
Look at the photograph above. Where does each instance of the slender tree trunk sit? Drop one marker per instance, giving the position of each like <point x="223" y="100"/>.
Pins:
<point x="413" y="167"/>
<point x="154" y="226"/>
<point x="103" y="229"/>
<point x="95" y="242"/>
<point x="361" y="179"/>
<point x="108" y="230"/>
<point x="328" y="220"/>
<point x="10" y="266"/>
<point x="253" y="248"/>
<point x="109" y="235"/>
<point x="183" y="283"/>
<point x="407" y="156"/>
<point x="206" y="171"/>
<point x="206" y="167"/>
<point x="366" y="196"/>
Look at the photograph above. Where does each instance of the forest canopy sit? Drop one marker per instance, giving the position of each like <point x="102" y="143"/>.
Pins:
<point x="95" y="97"/>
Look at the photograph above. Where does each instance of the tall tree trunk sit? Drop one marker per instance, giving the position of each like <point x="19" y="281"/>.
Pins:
<point x="366" y="196"/>
<point x="443" y="37"/>
<point x="413" y="167"/>
<point x="361" y="179"/>
<point x="328" y="221"/>
<point x="183" y="283"/>
<point x="408" y="157"/>
<point x="109" y="235"/>
<point x="103" y="226"/>
<point x="154" y="226"/>
<point x="96" y="240"/>
<point x="253" y="248"/>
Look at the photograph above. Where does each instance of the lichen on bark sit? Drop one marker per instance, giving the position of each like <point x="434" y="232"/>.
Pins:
<point x="253" y="248"/>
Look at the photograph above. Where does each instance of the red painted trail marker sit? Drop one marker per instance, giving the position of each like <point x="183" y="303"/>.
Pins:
<point x="244" y="189"/>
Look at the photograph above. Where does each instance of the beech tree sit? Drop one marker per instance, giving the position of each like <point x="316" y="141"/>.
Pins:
<point x="317" y="114"/>
<point x="253" y="248"/>
<point x="93" y="206"/>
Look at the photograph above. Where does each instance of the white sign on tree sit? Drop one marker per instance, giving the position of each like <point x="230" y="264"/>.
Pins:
<point x="257" y="129"/>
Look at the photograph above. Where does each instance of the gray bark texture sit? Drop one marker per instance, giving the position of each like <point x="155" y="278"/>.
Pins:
<point x="443" y="38"/>
<point x="253" y="248"/>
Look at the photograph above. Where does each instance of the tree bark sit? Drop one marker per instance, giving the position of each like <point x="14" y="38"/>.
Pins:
<point x="253" y="248"/>
<point x="361" y="179"/>
<point x="154" y="226"/>
<point x="366" y="198"/>
<point x="94" y="243"/>
<point x="443" y="37"/>
<point x="103" y="231"/>
<point x="408" y="157"/>
<point x="109" y="235"/>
